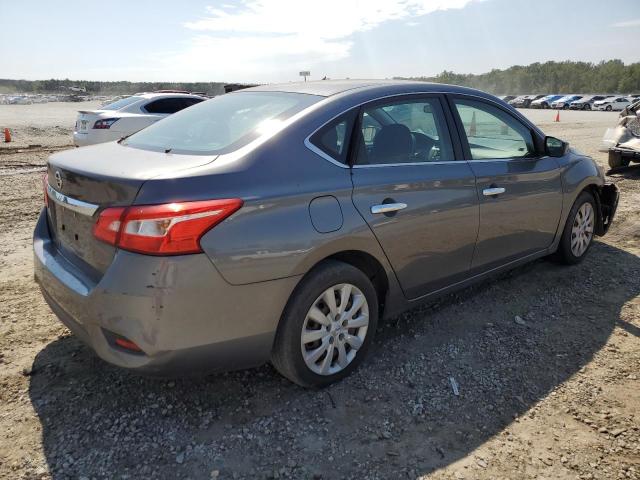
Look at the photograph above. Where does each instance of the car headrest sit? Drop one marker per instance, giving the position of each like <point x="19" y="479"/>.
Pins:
<point x="392" y="144"/>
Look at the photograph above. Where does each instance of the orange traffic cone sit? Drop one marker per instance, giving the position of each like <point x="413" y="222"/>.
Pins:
<point x="7" y="135"/>
<point x="472" y="127"/>
<point x="557" y="116"/>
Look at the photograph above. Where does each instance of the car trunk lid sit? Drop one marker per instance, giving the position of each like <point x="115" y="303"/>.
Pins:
<point x="81" y="183"/>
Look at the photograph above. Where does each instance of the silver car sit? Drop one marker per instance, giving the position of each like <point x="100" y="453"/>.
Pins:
<point x="280" y="223"/>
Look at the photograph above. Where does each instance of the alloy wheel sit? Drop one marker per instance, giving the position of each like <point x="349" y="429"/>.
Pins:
<point x="334" y="329"/>
<point x="582" y="230"/>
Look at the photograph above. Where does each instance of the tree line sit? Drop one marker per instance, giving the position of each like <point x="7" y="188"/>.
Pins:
<point x="611" y="76"/>
<point x="105" y="88"/>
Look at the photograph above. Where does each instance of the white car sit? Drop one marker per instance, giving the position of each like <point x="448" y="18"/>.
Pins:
<point x="564" y="102"/>
<point x="128" y="115"/>
<point x="612" y="103"/>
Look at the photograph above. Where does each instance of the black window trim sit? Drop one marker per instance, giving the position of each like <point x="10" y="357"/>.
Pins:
<point x="536" y="135"/>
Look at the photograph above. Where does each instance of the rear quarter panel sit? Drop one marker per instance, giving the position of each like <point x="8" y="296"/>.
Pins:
<point x="273" y="236"/>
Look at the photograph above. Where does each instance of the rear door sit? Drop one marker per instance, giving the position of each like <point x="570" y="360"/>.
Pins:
<point x="520" y="190"/>
<point x="420" y="202"/>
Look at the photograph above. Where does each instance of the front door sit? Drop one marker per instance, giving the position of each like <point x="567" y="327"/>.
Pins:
<point x="418" y="200"/>
<point x="520" y="189"/>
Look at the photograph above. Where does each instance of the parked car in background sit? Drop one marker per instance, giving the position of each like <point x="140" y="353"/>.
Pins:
<point x="615" y="103"/>
<point x="279" y="223"/>
<point x="128" y="115"/>
<point x="564" y="102"/>
<point x="623" y="142"/>
<point x="506" y="98"/>
<point x="524" y="101"/>
<point x="586" y="102"/>
<point x="545" y="102"/>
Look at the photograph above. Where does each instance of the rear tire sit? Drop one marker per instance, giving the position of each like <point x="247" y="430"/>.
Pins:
<point x="579" y="229"/>
<point x="609" y="108"/>
<point x="320" y="341"/>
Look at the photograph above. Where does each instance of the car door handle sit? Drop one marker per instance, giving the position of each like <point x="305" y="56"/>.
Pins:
<point x="488" y="192"/>
<point x="388" y="207"/>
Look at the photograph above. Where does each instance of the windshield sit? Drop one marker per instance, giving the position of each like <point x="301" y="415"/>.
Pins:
<point x="222" y="124"/>
<point x="118" y="104"/>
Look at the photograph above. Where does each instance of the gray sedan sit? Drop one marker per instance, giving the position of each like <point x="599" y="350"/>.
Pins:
<point x="280" y="223"/>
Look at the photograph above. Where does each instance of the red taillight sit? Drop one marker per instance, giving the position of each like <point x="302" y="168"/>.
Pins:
<point x="104" y="123"/>
<point x="107" y="227"/>
<point x="127" y="344"/>
<point x="169" y="229"/>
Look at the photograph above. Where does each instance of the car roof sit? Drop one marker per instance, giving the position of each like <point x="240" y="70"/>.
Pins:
<point x="327" y="88"/>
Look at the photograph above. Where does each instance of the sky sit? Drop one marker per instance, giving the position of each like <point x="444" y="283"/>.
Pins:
<point x="273" y="40"/>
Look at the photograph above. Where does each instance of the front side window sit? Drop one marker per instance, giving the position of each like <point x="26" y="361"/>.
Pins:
<point x="493" y="133"/>
<point x="222" y="124"/>
<point x="403" y="131"/>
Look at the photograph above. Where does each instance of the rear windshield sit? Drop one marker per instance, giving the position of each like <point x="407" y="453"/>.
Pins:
<point x="118" y="104"/>
<point x="222" y="124"/>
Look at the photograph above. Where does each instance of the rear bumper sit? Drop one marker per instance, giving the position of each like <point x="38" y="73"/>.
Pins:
<point x="625" y="153"/>
<point x="183" y="315"/>
<point x="92" y="137"/>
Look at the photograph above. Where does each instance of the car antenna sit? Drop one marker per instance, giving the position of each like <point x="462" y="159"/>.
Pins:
<point x="167" y="150"/>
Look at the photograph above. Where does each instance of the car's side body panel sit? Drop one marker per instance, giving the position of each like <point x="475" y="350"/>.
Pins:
<point x="522" y="220"/>
<point x="430" y="243"/>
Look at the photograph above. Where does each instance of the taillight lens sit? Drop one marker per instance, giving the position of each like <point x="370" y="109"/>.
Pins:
<point x="107" y="228"/>
<point x="104" y="123"/>
<point x="169" y="229"/>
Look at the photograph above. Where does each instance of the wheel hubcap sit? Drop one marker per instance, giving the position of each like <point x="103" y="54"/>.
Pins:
<point x="582" y="230"/>
<point x="334" y="329"/>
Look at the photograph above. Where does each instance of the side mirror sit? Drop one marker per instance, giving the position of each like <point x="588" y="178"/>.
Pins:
<point x="555" y="147"/>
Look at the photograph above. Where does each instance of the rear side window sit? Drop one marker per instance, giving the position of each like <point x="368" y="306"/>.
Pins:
<point x="123" y="102"/>
<point x="403" y="131"/>
<point x="333" y="138"/>
<point x="222" y="124"/>
<point x="493" y="133"/>
<point x="169" y="105"/>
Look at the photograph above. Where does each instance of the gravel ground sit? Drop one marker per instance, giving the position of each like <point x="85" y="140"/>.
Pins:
<point x="545" y="361"/>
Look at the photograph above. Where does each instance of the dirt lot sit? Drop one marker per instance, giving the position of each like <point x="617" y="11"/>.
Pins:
<point x="553" y="395"/>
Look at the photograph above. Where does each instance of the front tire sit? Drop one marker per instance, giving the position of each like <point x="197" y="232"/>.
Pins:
<point x="578" y="232"/>
<point x="609" y="108"/>
<point x="327" y="326"/>
<point x="617" y="161"/>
